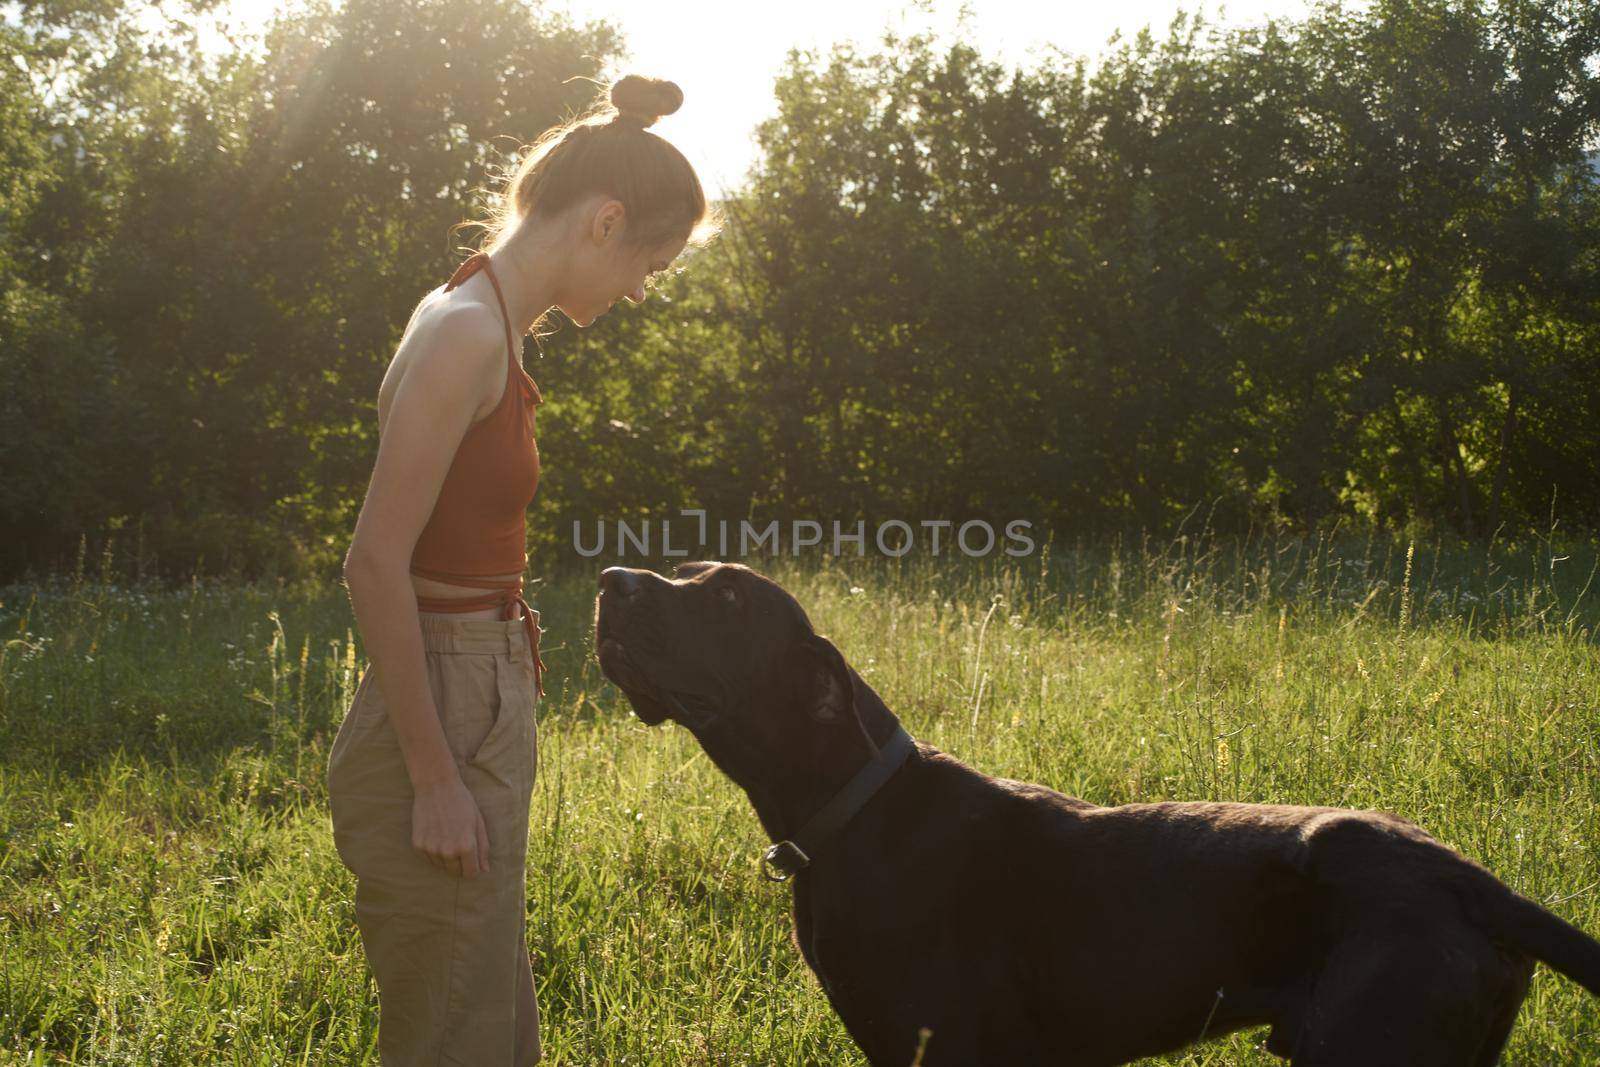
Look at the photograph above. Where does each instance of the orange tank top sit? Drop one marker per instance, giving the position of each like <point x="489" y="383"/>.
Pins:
<point x="478" y="526"/>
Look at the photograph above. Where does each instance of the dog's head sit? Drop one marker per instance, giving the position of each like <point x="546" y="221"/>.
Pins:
<point x="731" y="655"/>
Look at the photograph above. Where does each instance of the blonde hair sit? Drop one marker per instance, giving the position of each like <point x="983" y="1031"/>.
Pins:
<point x="609" y="151"/>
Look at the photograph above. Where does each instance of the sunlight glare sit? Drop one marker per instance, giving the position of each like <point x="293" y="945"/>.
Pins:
<point x="727" y="91"/>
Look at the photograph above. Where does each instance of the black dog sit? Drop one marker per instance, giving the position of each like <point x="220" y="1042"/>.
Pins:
<point x="1026" y="927"/>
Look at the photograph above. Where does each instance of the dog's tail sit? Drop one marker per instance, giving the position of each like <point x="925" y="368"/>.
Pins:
<point x="1543" y="934"/>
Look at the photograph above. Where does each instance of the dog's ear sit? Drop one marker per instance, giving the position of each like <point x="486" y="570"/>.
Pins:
<point x="689" y="570"/>
<point x="828" y="692"/>
<point x="830" y="698"/>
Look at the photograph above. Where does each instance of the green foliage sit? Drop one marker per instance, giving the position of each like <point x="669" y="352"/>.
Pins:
<point x="1340" y="267"/>
<point x="1212" y="269"/>
<point x="244" y="242"/>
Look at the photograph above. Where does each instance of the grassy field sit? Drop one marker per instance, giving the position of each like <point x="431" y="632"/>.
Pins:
<point x="170" y="894"/>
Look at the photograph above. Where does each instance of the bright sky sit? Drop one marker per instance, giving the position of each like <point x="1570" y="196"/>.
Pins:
<point x="724" y="54"/>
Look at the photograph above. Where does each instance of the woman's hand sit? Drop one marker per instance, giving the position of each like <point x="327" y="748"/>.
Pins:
<point x="448" y="829"/>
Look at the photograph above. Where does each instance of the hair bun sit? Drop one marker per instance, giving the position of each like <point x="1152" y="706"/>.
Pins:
<point x="644" y="100"/>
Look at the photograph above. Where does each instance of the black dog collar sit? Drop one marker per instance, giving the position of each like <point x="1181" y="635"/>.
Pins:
<point x="791" y="855"/>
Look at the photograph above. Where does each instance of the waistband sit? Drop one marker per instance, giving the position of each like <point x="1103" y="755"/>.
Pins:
<point x="493" y="637"/>
<point x="508" y="598"/>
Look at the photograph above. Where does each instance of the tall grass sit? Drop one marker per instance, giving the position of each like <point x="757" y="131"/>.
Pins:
<point x="169" y="892"/>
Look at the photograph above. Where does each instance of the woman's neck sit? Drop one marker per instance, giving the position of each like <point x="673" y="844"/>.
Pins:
<point x="528" y="271"/>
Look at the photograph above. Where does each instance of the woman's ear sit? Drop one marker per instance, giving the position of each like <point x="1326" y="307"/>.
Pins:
<point x="608" y="221"/>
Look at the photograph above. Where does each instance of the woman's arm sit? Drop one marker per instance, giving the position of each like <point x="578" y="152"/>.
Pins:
<point x="459" y="357"/>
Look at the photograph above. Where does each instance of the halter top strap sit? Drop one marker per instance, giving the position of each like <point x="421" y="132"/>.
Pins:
<point x="472" y="265"/>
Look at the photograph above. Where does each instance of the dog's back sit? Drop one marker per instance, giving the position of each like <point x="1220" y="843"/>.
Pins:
<point x="1204" y="917"/>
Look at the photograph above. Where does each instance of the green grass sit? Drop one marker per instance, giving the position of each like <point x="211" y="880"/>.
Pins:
<point x="169" y="891"/>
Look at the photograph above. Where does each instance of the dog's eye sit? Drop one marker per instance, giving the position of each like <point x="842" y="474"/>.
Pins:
<point x="726" y="593"/>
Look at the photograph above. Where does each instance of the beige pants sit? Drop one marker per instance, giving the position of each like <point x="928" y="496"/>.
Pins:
<point x="450" y="954"/>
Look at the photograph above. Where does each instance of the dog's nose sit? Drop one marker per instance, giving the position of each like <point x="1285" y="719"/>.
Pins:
<point x="620" y="581"/>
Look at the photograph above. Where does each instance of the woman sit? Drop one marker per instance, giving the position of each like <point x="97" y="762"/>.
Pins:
<point x="430" y="778"/>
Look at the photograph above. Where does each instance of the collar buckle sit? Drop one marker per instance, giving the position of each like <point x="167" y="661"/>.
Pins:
<point x="786" y="858"/>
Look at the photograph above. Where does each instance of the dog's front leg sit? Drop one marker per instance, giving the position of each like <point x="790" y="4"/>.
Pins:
<point x="880" y="1004"/>
<point x="886" y="996"/>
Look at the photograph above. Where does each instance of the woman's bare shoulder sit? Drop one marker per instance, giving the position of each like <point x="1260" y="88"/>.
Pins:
<point x="450" y="334"/>
<point x="451" y="322"/>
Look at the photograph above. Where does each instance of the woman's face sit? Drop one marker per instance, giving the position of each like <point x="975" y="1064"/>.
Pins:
<point x="609" y="268"/>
